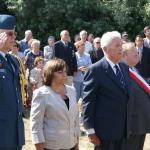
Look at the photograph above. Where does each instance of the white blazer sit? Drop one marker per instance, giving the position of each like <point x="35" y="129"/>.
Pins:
<point x="51" y="122"/>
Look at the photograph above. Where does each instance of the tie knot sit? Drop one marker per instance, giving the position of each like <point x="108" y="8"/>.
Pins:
<point x="116" y="67"/>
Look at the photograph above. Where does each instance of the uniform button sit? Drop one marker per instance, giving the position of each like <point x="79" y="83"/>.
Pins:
<point x="19" y="114"/>
<point x="18" y="100"/>
<point x="16" y="89"/>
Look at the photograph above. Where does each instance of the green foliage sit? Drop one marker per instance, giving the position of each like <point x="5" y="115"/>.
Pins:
<point x="49" y="17"/>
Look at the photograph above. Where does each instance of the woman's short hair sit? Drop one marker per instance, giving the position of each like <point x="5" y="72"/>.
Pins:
<point x="50" y="68"/>
<point x="146" y="28"/>
<point x="35" y="42"/>
<point x="78" y="44"/>
<point x="37" y="60"/>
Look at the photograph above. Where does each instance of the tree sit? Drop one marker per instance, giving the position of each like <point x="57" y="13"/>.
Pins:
<point x="49" y="17"/>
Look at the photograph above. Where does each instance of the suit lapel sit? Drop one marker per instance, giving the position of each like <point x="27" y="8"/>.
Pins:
<point x="110" y="73"/>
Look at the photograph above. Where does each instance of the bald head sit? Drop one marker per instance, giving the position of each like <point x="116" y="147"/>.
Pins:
<point x="130" y="54"/>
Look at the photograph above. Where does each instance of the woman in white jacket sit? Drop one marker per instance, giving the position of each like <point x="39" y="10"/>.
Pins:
<point x="54" y="111"/>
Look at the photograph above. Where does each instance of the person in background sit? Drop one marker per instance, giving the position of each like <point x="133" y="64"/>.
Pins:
<point x="54" y="111"/>
<point x="90" y="38"/>
<point x="49" y="49"/>
<point x="16" y="50"/>
<point x="65" y="50"/>
<point x="83" y="36"/>
<point x="29" y="64"/>
<point x="138" y="118"/>
<point x="147" y="38"/>
<point x="143" y="66"/>
<point x="125" y="37"/>
<point x="11" y="122"/>
<point x="76" y="38"/>
<point x="83" y="62"/>
<point x="97" y="53"/>
<point x="24" y="43"/>
<point x="29" y="49"/>
<point x="36" y="73"/>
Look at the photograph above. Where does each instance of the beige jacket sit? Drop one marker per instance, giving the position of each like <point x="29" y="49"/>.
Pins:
<point x="51" y="121"/>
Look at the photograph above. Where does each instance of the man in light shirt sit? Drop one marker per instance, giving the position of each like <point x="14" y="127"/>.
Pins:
<point x="88" y="45"/>
<point x="147" y="38"/>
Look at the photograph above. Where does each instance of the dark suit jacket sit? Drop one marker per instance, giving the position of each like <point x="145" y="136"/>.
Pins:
<point x="11" y="123"/>
<point x="105" y="101"/>
<point x="96" y="55"/>
<point x="144" y="65"/>
<point x="67" y="53"/>
<point x="138" y="110"/>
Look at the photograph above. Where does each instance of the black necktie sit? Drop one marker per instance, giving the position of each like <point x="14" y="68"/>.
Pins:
<point x="9" y="61"/>
<point x="120" y="77"/>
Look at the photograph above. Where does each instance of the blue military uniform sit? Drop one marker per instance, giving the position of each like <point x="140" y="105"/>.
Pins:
<point x="11" y="123"/>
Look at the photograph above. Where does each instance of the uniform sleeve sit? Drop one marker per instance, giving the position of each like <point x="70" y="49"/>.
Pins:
<point x="37" y="117"/>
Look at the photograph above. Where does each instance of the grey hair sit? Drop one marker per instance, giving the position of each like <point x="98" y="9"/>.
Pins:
<point x="108" y="37"/>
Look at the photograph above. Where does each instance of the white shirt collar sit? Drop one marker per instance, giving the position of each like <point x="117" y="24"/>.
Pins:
<point x="111" y="64"/>
<point x="64" y="42"/>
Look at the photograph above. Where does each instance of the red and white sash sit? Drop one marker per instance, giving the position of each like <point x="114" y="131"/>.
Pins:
<point x="139" y="80"/>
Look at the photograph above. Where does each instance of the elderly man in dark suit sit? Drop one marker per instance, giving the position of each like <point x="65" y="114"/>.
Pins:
<point x="106" y="93"/>
<point x="65" y="50"/>
<point x="138" y="109"/>
<point x="11" y="123"/>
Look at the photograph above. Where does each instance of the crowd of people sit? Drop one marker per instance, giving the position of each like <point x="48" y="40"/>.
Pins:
<point x="110" y="75"/>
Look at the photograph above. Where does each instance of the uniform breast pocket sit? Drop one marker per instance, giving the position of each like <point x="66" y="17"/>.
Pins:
<point x="3" y="80"/>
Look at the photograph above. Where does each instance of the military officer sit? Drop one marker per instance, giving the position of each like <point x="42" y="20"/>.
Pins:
<point x="11" y="123"/>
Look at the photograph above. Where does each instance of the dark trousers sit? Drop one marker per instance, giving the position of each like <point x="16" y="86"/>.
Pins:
<point x="135" y="142"/>
<point x="13" y="148"/>
<point x="111" y="145"/>
<point x="61" y="149"/>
